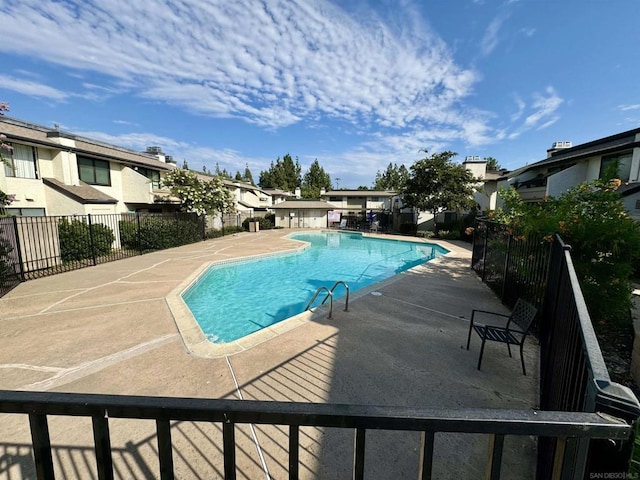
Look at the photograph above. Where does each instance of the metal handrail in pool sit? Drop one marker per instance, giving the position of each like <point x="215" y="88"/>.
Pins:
<point x="340" y="282"/>
<point x="315" y="295"/>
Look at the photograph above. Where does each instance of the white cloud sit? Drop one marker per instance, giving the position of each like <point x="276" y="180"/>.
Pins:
<point x="269" y="63"/>
<point x="490" y="40"/>
<point x="544" y="112"/>
<point x="32" y="88"/>
<point x="625" y="108"/>
<point x="521" y="106"/>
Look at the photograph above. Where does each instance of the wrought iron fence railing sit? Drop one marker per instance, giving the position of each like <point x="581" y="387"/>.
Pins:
<point x="573" y="373"/>
<point x="33" y="247"/>
<point x="566" y="428"/>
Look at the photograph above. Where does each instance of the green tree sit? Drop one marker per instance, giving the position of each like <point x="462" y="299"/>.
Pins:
<point x="314" y="180"/>
<point x="202" y="197"/>
<point x="247" y="175"/>
<point x="436" y="184"/>
<point x="238" y="177"/>
<point x="362" y="187"/>
<point x="284" y="174"/>
<point x="605" y="241"/>
<point x="492" y="164"/>
<point x="393" y="178"/>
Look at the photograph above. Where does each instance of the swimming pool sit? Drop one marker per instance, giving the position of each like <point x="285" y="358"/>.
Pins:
<point x="232" y="300"/>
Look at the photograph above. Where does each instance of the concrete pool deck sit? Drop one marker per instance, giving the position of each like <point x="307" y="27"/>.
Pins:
<point x="109" y="329"/>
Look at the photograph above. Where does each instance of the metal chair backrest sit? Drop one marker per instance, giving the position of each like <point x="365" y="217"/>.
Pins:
<point x="522" y="315"/>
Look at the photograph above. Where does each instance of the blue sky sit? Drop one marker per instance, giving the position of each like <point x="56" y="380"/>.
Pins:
<point x="356" y="84"/>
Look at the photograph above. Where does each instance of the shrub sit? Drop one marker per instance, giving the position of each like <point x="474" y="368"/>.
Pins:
<point x="76" y="240"/>
<point x="6" y="267"/>
<point x="408" y="228"/>
<point x="266" y="223"/>
<point x="605" y="242"/>
<point x="158" y="233"/>
<point x="449" y="234"/>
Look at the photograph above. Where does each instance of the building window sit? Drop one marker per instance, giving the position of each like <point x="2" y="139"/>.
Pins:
<point x="622" y="162"/>
<point x="94" y="172"/>
<point x="153" y="175"/>
<point x="20" y="161"/>
<point x="25" y="212"/>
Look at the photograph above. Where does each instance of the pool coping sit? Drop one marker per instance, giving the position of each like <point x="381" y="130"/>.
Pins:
<point x="197" y="343"/>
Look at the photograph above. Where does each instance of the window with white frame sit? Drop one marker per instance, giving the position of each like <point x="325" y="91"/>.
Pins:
<point x="21" y="161"/>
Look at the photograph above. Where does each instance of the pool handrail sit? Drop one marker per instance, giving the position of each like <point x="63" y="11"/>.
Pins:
<point x="340" y="282"/>
<point x="315" y="295"/>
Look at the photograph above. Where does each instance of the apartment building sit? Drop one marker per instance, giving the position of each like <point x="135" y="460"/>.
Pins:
<point x="52" y="172"/>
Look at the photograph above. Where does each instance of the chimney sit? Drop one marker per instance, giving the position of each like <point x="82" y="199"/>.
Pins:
<point x="297" y="192"/>
<point x="557" y="146"/>
<point x="322" y="191"/>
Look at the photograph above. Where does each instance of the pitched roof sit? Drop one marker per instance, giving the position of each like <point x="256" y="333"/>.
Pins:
<point x="304" y="205"/>
<point x="82" y="193"/>
<point x="360" y="193"/>
<point x="602" y="146"/>
<point x="19" y="130"/>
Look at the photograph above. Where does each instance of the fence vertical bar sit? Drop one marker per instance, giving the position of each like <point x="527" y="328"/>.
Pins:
<point x="18" y="248"/>
<point x="41" y="446"/>
<point x="496" y="445"/>
<point x="484" y="250"/>
<point x="91" y="240"/>
<point x="139" y="233"/>
<point x="294" y="452"/>
<point x="229" y="452"/>
<point x="426" y="455"/>
<point x="506" y="268"/>
<point x="103" y="447"/>
<point x="358" y="454"/>
<point x="165" y="453"/>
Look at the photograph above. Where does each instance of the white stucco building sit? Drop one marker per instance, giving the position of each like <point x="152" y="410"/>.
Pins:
<point x="51" y="172"/>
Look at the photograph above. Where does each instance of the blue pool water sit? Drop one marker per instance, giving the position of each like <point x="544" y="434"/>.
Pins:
<point x="232" y="300"/>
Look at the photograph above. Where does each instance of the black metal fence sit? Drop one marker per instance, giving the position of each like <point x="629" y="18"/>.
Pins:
<point x="573" y="374"/>
<point x="567" y="428"/>
<point x="514" y="266"/>
<point x="33" y="247"/>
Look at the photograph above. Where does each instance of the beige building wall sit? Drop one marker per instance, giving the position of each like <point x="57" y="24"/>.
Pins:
<point x="136" y="188"/>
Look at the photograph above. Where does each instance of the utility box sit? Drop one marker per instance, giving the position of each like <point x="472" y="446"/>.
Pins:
<point x="254" y="226"/>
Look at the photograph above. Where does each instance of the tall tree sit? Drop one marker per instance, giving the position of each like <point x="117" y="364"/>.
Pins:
<point x="492" y="163"/>
<point x="436" y="184"/>
<point x="393" y="178"/>
<point x="314" y="180"/>
<point x="284" y="174"/>
<point x="247" y="175"/>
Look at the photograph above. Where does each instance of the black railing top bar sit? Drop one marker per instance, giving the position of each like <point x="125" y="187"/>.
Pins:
<point x="505" y="422"/>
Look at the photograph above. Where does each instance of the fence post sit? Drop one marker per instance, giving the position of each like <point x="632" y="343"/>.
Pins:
<point x="505" y="276"/>
<point x="93" y="245"/>
<point x="484" y="249"/>
<point x="139" y="233"/>
<point x="203" y="219"/>
<point x="19" y="249"/>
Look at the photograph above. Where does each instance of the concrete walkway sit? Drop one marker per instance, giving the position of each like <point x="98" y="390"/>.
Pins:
<point x="109" y="329"/>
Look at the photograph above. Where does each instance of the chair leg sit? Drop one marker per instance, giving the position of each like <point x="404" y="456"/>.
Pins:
<point x="509" y="348"/>
<point x="524" y="372"/>
<point x="481" y="352"/>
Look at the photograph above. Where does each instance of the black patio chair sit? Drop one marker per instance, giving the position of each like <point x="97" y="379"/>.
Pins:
<point x="513" y="333"/>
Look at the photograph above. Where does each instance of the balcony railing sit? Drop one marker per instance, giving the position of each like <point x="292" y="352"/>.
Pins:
<point x="567" y="429"/>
